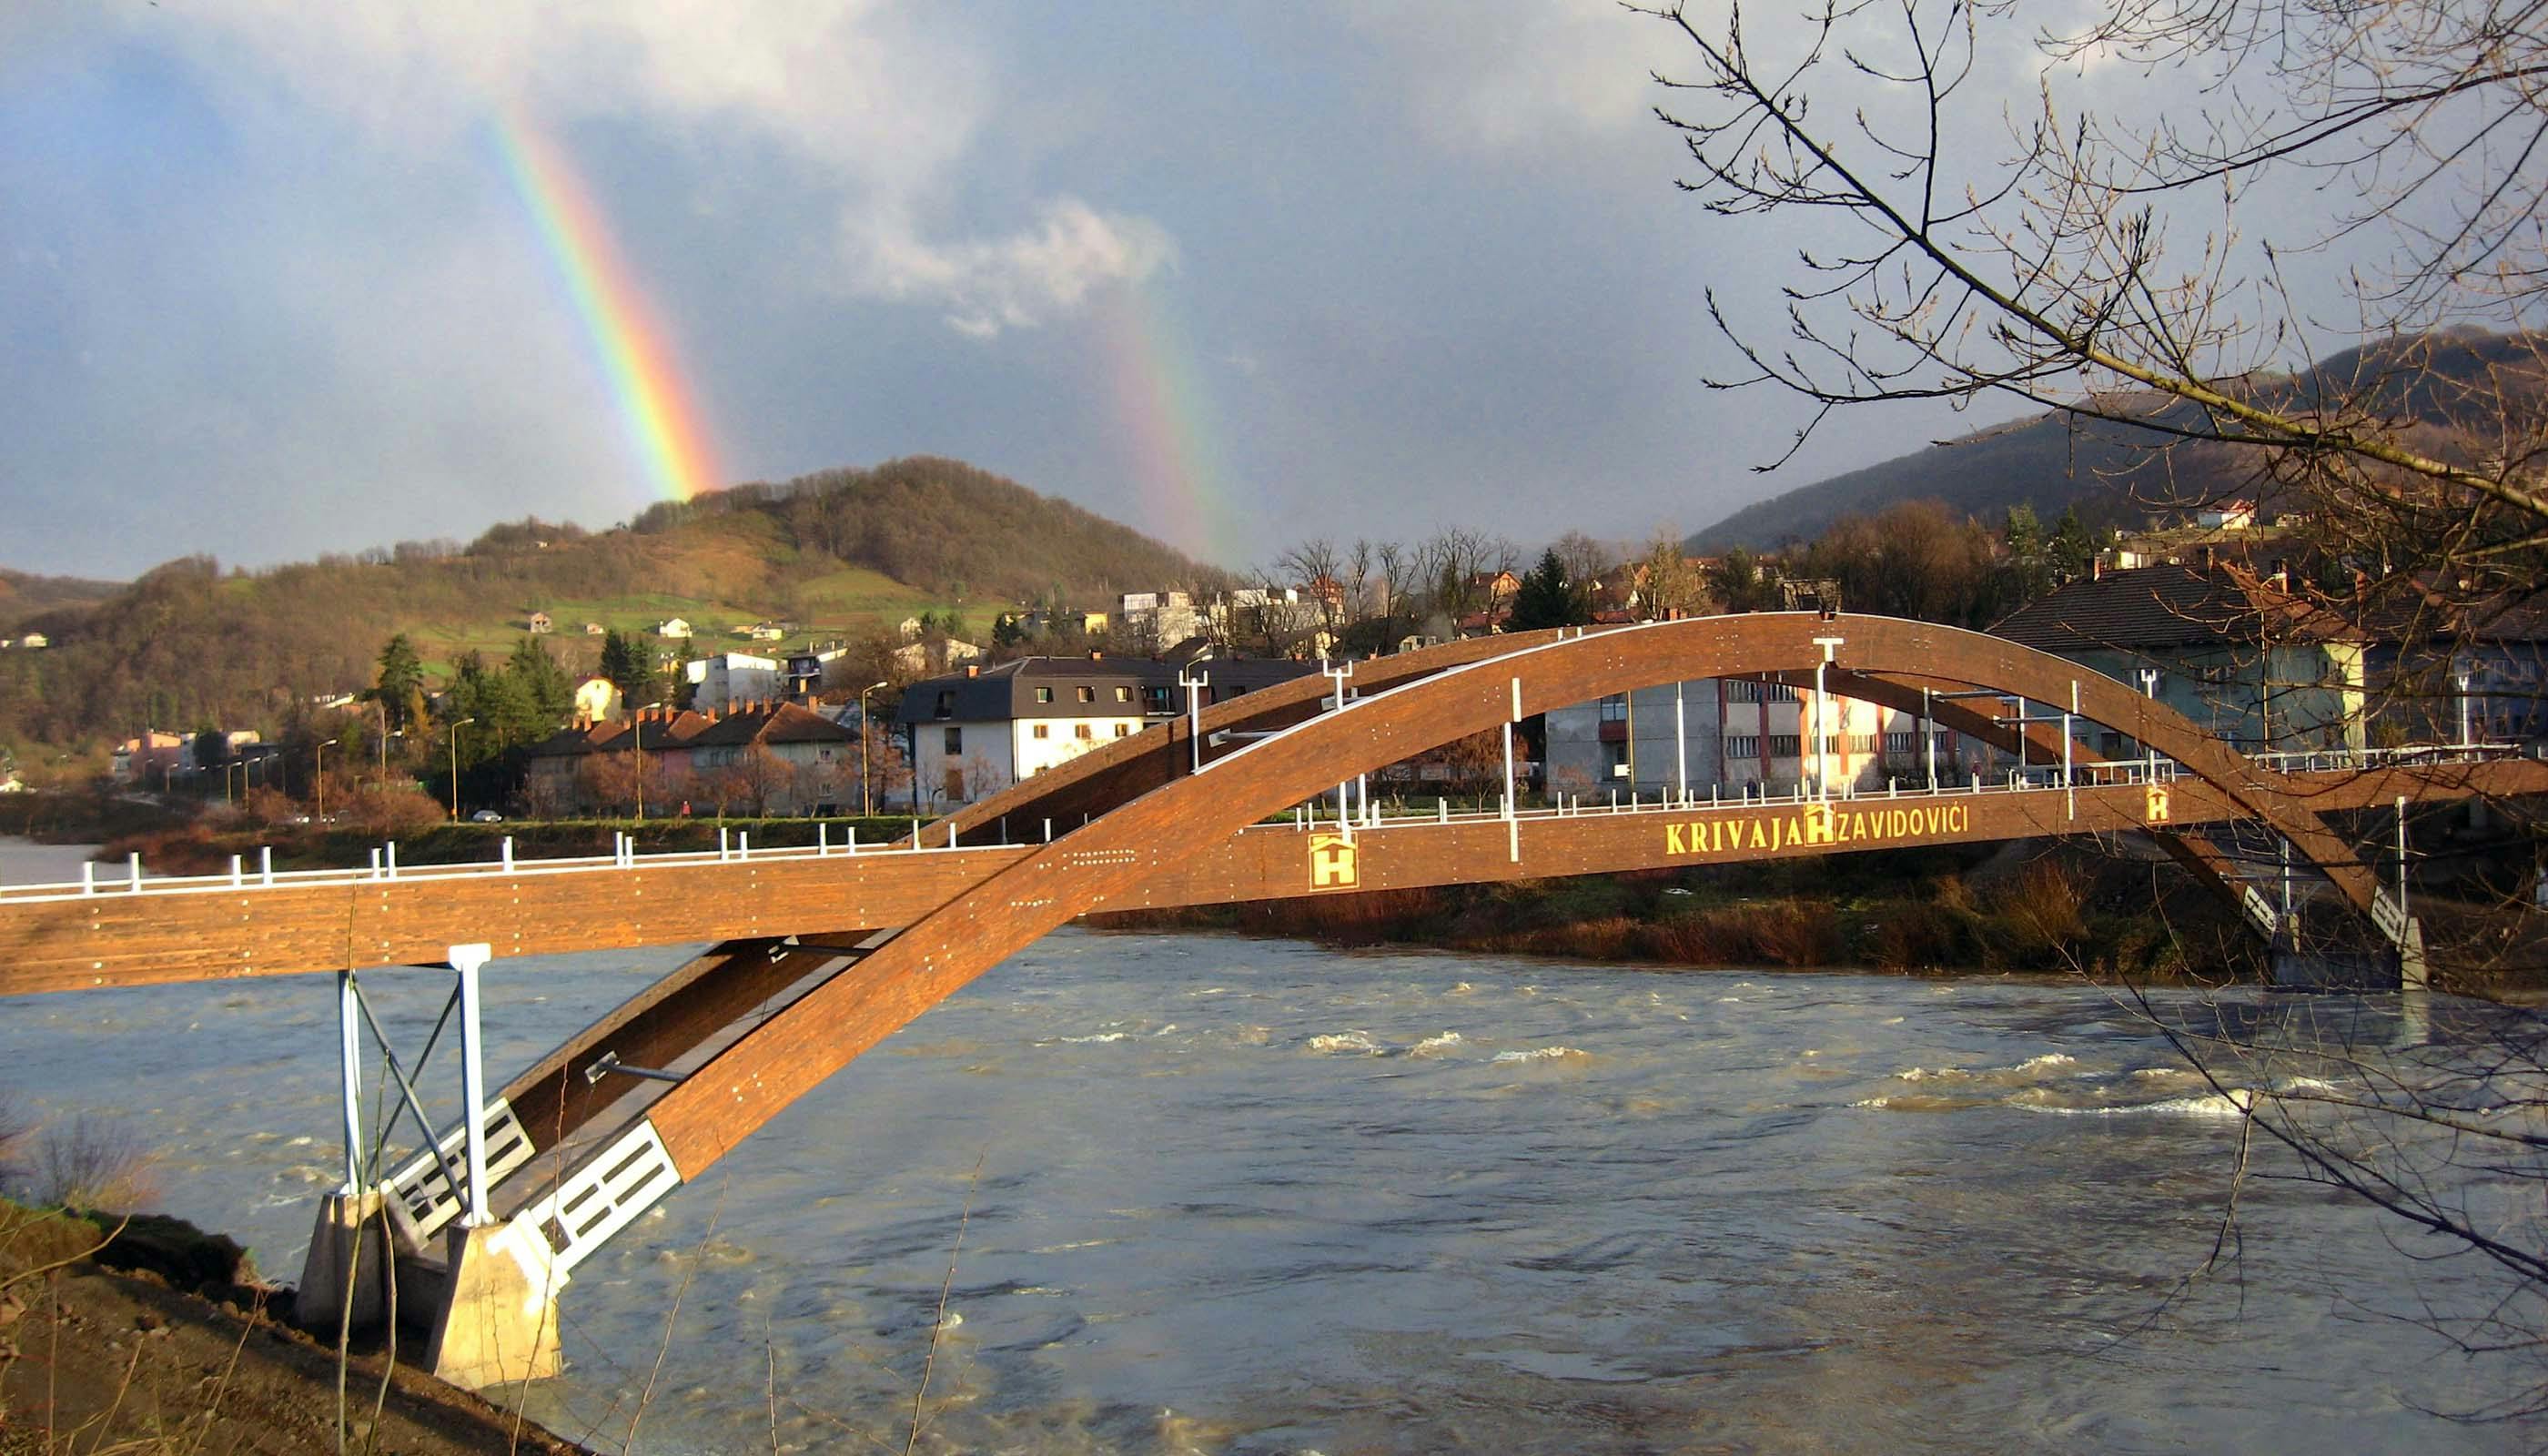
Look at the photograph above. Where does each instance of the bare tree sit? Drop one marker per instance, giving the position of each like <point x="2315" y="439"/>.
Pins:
<point x="2077" y="252"/>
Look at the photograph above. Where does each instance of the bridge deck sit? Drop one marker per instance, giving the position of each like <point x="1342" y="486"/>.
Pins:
<point x="65" y="937"/>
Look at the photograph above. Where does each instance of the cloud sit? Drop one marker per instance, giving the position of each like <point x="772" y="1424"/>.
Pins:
<point x="1503" y="75"/>
<point x="1018" y="281"/>
<point x="876" y="102"/>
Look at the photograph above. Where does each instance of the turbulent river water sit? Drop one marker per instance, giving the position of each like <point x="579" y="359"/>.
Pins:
<point x="1221" y="1195"/>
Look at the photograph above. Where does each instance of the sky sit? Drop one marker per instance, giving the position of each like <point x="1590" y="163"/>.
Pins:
<point x="284" y="279"/>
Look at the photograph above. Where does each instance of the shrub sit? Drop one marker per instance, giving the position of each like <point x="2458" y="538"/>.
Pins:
<point x="2041" y="908"/>
<point x="90" y="1164"/>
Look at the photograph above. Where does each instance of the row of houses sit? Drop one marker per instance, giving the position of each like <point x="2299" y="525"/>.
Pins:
<point x="2232" y="650"/>
<point x="2237" y="652"/>
<point x="770" y="757"/>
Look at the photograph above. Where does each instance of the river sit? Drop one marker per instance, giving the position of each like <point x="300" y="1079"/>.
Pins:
<point x="1243" y="1196"/>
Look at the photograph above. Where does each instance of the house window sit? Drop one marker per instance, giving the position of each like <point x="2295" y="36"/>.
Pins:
<point x="1743" y="745"/>
<point x="947" y="704"/>
<point x="1614" y="708"/>
<point x="955" y="740"/>
<point x="1084" y="730"/>
<point x="1044" y="729"/>
<point x="1898" y="743"/>
<point x="1088" y="695"/>
<point x="1156" y="699"/>
<point x="1123" y="694"/>
<point x="1044" y="695"/>
<point x="1784" y="746"/>
<point x="1123" y="730"/>
<point x="1861" y="743"/>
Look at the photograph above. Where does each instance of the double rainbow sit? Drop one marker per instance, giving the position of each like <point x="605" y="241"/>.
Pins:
<point x="657" y="410"/>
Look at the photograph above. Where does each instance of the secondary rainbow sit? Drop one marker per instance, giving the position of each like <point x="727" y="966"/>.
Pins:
<point x="655" y="406"/>
<point x="1164" y="409"/>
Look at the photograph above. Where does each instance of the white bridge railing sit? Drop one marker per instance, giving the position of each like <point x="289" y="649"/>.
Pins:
<point x="736" y="848"/>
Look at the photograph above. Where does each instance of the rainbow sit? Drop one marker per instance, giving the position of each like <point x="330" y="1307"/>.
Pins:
<point x="660" y="415"/>
<point x="1164" y="413"/>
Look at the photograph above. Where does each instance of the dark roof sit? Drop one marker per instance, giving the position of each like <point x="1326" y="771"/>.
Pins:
<point x="1007" y="691"/>
<point x="655" y="733"/>
<point x="2170" y="607"/>
<point x="783" y="724"/>
<point x="2428" y="608"/>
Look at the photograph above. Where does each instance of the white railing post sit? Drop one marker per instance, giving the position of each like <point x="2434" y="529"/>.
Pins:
<point x="349" y="1067"/>
<point x="467" y="960"/>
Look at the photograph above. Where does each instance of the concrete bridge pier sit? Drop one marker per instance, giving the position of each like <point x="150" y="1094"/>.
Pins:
<point x="489" y="1303"/>
<point x="498" y="1322"/>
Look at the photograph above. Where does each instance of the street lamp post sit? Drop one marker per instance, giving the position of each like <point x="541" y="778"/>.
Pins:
<point x="456" y="725"/>
<point x="319" y="775"/>
<point x="867" y="806"/>
<point x="637" y="746"/>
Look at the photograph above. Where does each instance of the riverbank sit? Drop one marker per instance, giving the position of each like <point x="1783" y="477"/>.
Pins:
<point x="1952" y="911"/>
<point x="146" y="1336"/>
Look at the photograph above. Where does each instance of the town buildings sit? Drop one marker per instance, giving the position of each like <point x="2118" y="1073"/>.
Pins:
<point x="976" y="732"/>
<point x="2240" y="654"/>
<point x="730" y="678"/>
<point x="763" y="757"/>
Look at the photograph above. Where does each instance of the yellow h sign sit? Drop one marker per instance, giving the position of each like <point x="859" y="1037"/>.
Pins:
<point x="1331" y="863"/>
<point x="2154" y="804"/>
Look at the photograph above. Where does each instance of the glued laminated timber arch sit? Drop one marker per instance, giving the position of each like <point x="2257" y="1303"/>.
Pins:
<point x="1085" y="869"/>
<point x="1127" y="768"/>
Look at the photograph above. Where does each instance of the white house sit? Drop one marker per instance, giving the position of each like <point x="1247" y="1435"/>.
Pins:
<point x="673" y="627"/>
<point x="976" y="732"/>
<point x="596" y="699"/>
<point x="730" y="678"/>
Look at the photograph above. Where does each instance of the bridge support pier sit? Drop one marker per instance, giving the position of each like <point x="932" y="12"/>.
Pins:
<point x="498" y="1324"/>
<point x="2396" y="966"/>
<point x="348" y="1253"/>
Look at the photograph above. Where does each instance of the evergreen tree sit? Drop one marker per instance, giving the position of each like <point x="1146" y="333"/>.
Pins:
<point x="625" y="662"/>
<point x="1738" y="582"/>
<point x="2071" y="548"/>
<point x="545" y="689"/>
<point x="1546" y="598"/>
<point x="402" y="679"/>
<point x="2029" y="571"/>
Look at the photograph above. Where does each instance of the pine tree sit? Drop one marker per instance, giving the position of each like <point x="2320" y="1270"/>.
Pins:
<point x="2072" y="548"/>
<point x="624" y="662"/>
<point x="402" y="679"/>
<point x="546" y="693"/>
<point x="1547" y="598"/>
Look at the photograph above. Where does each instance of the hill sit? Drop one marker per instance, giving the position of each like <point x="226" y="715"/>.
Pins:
<point x="2118" y="475"/>
<point x="23" y="596"/>
<point x="836" y="553"/>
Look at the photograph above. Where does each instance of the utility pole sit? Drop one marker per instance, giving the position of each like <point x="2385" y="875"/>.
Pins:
<point x="867" y="806"/>
<point x="454" y="744"/>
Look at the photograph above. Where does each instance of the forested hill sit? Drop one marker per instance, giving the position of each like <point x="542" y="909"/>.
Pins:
<point x="2116" y="474"/>
<point x="835" y="554"/>
<point x="23" y="596"/>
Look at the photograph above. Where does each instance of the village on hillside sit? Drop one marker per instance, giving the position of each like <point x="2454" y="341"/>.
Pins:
<point x="926" y="717"/>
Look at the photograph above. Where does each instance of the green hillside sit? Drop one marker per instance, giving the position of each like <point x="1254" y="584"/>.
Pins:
<point x="2118" y="474"/>
<point x="835" y="555"/>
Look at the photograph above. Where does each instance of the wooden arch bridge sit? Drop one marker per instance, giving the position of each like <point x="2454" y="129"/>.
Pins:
<point x="816" y="955"/>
